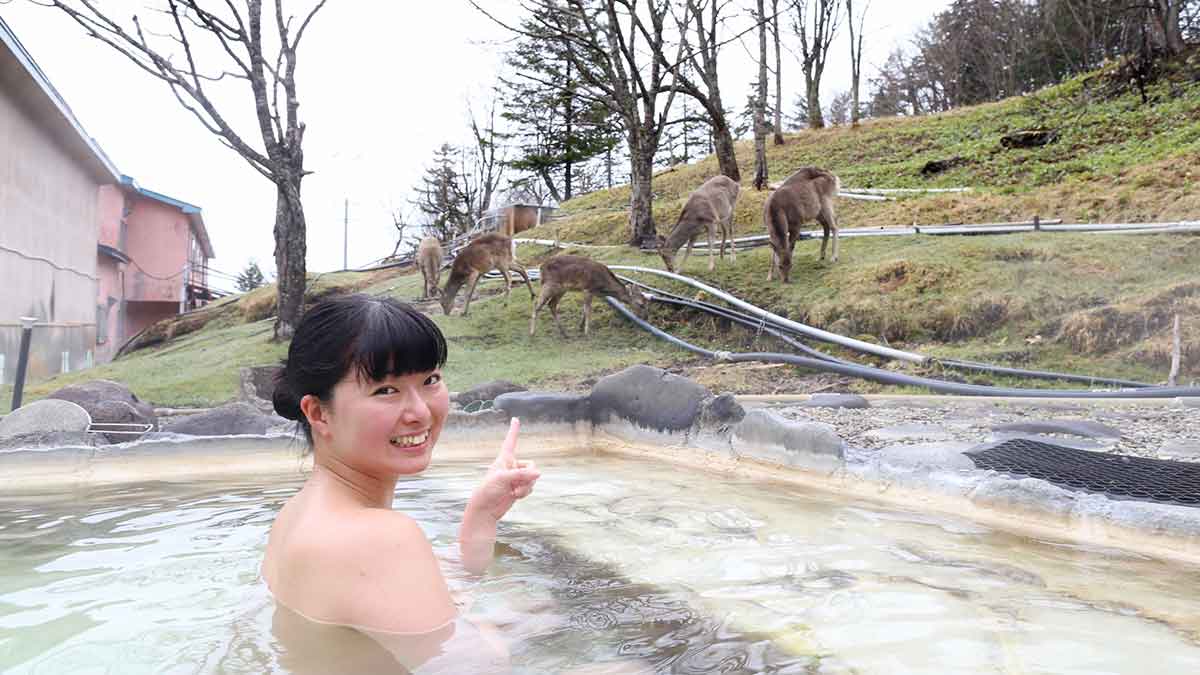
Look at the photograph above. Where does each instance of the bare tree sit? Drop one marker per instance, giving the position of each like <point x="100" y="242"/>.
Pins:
<point x="816" y="34"/>
<point x="401" y="222"/>
<point x="855" y="24"/>
<point x="616" y="47"/>
<point x="778" y="74"/>
<point x="760" y="104"/>
<point x="236" y="32"/>
<point x="698" y="39"/>
<point x="482" y="170"/>
<point x="1167" y="31"/>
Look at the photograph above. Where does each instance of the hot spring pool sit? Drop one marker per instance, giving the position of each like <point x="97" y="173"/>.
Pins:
<point x="612" y="560"/>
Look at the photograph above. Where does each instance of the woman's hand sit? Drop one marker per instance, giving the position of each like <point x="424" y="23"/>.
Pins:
<point x="507" y="479"/>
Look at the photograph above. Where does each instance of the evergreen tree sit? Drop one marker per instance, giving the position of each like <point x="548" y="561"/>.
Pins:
<point x="250" y="278"/>
<point x="445" y="210"/>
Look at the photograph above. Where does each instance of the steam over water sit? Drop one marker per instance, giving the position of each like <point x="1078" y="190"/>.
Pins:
<point x="653" y="567"/>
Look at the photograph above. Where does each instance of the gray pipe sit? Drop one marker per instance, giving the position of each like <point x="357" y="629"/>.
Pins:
<point x="857" y="345"/>
<point x="887" y="377"/>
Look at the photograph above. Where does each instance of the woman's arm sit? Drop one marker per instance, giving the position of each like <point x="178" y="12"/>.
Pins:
<point x="507" y="480"/>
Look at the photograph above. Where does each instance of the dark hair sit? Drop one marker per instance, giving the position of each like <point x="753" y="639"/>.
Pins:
<point x="376" y="336"/>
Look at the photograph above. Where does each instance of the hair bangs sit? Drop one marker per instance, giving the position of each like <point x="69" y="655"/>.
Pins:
<point x="396" y="340"/>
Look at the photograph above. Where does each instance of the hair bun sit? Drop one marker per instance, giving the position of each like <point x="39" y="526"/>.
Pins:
<point x="284" y="400"/>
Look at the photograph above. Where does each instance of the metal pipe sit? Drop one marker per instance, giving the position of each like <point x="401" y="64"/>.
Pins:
<point x="857" y="345"/>
<point x="22" y="360"/>
<point x="888" y="377"/>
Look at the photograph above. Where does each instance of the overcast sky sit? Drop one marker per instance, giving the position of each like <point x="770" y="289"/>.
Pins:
<point x="381" y="85"/>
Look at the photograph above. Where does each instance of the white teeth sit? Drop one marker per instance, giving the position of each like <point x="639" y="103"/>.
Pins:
<point x="410" y="440"/>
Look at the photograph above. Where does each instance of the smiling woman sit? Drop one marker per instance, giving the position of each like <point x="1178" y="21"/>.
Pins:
<point x="362" y="379"/>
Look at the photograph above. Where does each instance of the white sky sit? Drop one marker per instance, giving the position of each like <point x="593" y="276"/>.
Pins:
<point x="381" y="85"/>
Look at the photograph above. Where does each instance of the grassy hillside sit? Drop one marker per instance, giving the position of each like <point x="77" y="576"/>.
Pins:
<point x="1094" y="303"/>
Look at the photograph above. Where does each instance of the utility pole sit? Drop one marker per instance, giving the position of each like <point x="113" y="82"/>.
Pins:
<point x="346" y="237"/>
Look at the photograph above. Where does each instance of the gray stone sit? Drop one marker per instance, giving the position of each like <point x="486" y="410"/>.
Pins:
<point x="721" y="411"/>
<point x="44" y="440"/>
<point x="1076" y="443"/>
<point x="458" y="419"/>
<point x="230" y="419"/>
<point x="45" y="416"/>
<point x="535" y="406"/>
<point x="649" y="397"/>
<point x="91" y="394"/>
<point x="486" y="392"/>
<point x="763" y="427"/>
<point x="910" y="432"/>
<point x="1180" y="450"/>
<point x="1067" y="427"/>
<point x="927" y="456"/>
<point x="257" y="386"/>
<point x="1188" y="401"/>
<point x="836" y="401"/>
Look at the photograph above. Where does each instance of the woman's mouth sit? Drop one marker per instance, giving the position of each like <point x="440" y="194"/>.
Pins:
<point x="411" y="441"/>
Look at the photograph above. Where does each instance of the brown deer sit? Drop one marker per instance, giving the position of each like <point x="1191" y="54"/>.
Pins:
<point x="564" y="273"/>
<point x="429" y="260"/>
<point x="709" y="206"/>
<point x="488" y="252"/>
<point x="806" y="195"/>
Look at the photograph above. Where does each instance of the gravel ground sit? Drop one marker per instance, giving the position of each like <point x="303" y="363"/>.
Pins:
<point x="1158" y="432"/>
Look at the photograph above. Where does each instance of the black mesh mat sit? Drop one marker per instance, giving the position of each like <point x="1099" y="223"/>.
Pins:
<point x="1117" y="476"/>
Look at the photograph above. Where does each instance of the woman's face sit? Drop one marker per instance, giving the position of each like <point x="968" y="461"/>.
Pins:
<point x="387" y="427"/>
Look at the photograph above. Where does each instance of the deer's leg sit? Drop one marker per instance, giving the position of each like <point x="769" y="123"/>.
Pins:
<point x="554" y="312"/>
<point x="537" y="307"/>
<point x="687" y="251"/>
<point x="587" y="312"/>
<point x="831" y="224"/>
<point x="520" y="269"/>
<point x="473" y="281"/>
<point x="774" y="263"/>
<point x="727" y="233"/>
<point x="712" y="254"/>
<point x="507" y="282"/>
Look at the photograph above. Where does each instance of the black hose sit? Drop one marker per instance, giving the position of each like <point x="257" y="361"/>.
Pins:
<point x="888" y="377"/>
<point x="953" y="364"/>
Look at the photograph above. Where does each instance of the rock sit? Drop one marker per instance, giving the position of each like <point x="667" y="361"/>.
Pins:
<point x="257" y="386"/>
<point x="45" y="416"/>
<point x="230" y="419"/>
<point x="1068" y="427"/>
<point x="486" y="392"/>
<point x="1188" y="402"/>
<point x="721" y="412"/>
<point x="91" y="394"/>
<point x="836" y="401"/>
<point x="1075" y="443"/>
<point x="119" y="413"/>
<point x="1180" y="450"/>
<point x="1029" y="138"/>
<point x="927" y="456"/>
<point x="937" y="166"/>
<point x="536" y="406"/>
<point x="44" y="440"/>
<point x="910" y="432"/>
<point x="649" y="397"/>
<point x="763" y="427"/>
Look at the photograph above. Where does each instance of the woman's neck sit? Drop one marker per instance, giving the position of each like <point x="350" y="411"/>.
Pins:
<point x="364" y="489"/>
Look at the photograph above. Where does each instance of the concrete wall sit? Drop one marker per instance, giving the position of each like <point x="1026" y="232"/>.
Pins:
<point x="158" y="237"/>
<point x="143" y="314"/>
<point x="110" y="313"/>
<point x="48" y="219"/>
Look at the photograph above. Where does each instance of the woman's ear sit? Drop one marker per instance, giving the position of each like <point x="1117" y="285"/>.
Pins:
<point x="313" y="409"/>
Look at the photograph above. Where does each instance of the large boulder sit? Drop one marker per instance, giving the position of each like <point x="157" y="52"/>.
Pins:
<point x="486" y="392"/>
<point x="43" y="417"/>
<point x="96" y="398"/>
<point x="258" y="386"/>
<point x="231" y="419"/>
<point x="649" y="397"/>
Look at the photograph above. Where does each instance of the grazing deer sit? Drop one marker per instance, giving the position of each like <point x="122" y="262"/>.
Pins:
<point x="488" y="252"/>
<point x="564" y="273"/>
<point x="806" y="195"/>
<point x="709" y="206"/>
<point x="429" y="260"/>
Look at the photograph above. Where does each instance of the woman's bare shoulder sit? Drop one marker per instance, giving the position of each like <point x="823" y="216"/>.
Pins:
<point x="376" y="569"/>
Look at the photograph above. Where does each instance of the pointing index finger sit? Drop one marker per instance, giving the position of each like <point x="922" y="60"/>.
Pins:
<point x="508" y="450"/>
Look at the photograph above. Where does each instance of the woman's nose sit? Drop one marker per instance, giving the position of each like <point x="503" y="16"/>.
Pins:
<point x="414" y="409"/>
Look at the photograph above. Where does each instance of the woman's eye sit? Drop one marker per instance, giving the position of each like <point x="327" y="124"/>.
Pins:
<point x="433" y="379"/>
<point x="385" y="391"/>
